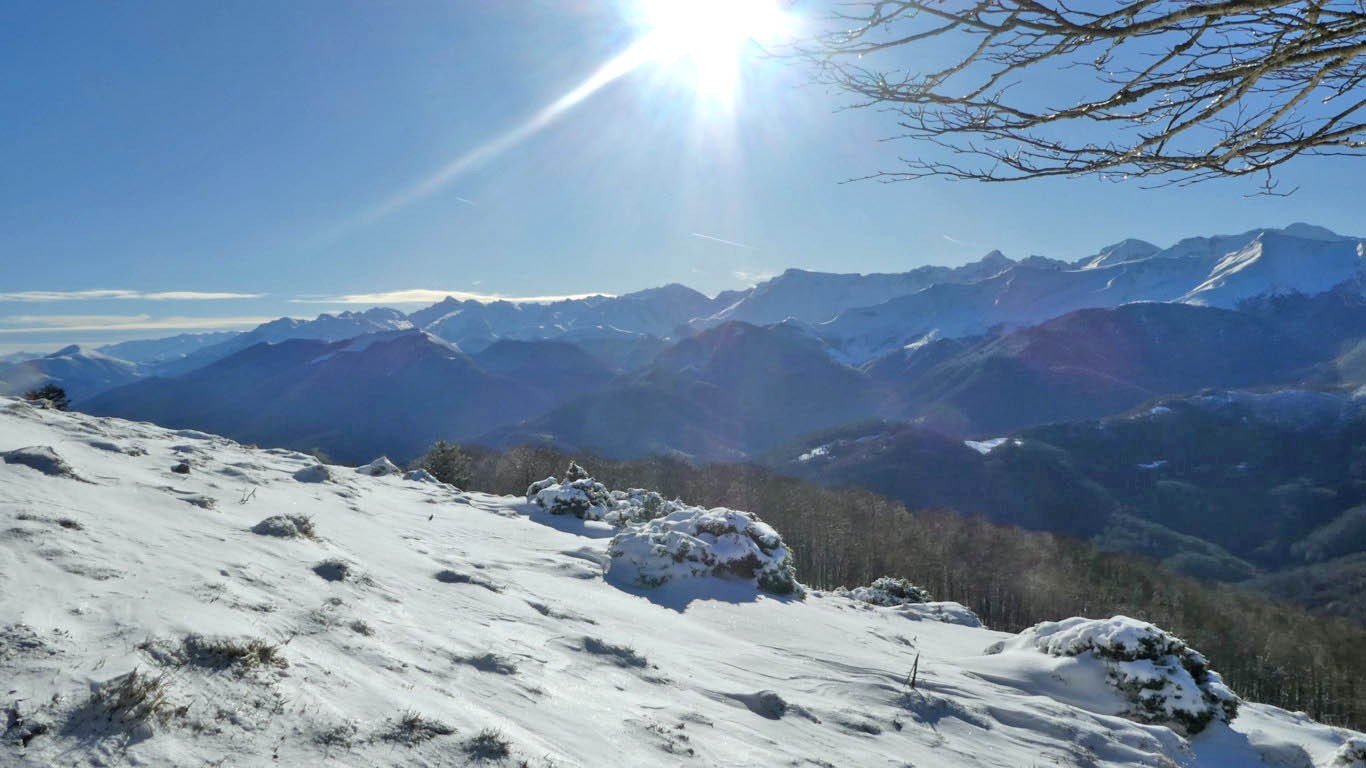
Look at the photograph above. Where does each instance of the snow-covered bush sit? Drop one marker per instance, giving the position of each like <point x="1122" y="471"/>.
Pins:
<point x="379" y="468"/>
<point x="420" y="476"/>
<point x="1164" y="681"/>
<point x="693" y="542"/>
<point x="315" y="473"/>
<point x="637" y="505"/>
<point x="912" y="601"/>
<point x="540" y="485"/>
<point x="286" y="527"/>
<point x="888" y="591"/>
<point x="41" y="458"/>
<point x="942" y="611"/>
<point x="1352" y="754"/>
<point x="666" y="540"/>
<point x="587" y="499"/>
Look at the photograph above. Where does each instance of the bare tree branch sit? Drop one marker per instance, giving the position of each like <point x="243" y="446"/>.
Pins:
<point x="1184" y="90"/>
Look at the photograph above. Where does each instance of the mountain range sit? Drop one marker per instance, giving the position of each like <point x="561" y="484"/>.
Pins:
<point x="858" y="317"/>
<point x="990" y="346"/>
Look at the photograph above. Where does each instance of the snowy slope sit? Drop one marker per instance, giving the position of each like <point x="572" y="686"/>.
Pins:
<point x="465" y="612"/>
<point x="1277" y="263"/>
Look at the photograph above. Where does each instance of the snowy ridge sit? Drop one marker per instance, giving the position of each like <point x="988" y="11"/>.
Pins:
<point x="1218" y="272"/>
<point x="383" y="621"/>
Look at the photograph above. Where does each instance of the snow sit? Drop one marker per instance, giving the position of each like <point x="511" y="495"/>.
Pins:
<point x="380" y="467"/>
<point x="696" y="543"/>
<point x="420" y="476"/>
<point x="416" y="616"/>
<point x="987" y="446"/>
<point x="820" y="450"/>
<point x="1217" y="272"/>
<point x="1277" y="263"/>
<point x="910" y="601"/>
<point x="316" y="473"/>
<point x="1160" y="679"/>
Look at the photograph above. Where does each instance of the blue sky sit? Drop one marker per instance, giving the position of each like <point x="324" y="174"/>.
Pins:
<point x="223" y="163"/>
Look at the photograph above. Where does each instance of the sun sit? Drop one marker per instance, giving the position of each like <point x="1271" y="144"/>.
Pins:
<point x="706" y="42"/>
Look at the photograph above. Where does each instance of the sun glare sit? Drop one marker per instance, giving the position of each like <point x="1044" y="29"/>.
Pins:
<point x="706" y="41"/>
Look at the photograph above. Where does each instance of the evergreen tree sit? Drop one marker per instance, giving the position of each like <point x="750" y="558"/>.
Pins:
<point x="448" y="463"/>
<point x="52" y="393"/>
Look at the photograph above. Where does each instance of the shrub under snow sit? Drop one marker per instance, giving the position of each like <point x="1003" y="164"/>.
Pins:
<point x="1352" y="754"/>
<point x="1165" y="681"/>
<point x="421" y="476"/>
<point x="587" y="499"/>
<point x="693" y="542"/>
<point x="41" y="458"/>
<point x="912" y="601"/>
<point x="584" y="498"/>
<point x="667" y="540"/>
<point x="888" y="591"/>
<point x="379" y="468"/>
<point x="314" y="473"/>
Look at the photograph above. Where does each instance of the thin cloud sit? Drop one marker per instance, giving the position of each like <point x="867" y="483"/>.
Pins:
<point x="464" y="200"/>
<point x="432" y="296"/>
<point x="51" y="323"/>
<point x="102" y="293"/>
<point x="67" y="321"/>
<point x="723" y="241"/>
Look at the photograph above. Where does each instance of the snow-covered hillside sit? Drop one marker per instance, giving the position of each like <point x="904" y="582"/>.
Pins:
<point x="173" y="598"/>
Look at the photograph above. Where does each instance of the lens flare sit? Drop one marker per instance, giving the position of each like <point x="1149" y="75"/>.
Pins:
<point x="706" y="41"/>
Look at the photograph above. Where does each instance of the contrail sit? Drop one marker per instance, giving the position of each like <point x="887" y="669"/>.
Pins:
<point x="627" y="61"/>
<point x="720" y="240"/>
<point x="952" y="240"/>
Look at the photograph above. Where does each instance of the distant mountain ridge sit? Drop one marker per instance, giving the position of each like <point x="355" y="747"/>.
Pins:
<point x="325" y="327"/>
<point x="990" y="346"/>
<point x="860" y="317"/>
<point x="391" y="392"/>
<point x="737" y="390"/>
<point x="1217" y="272"/>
